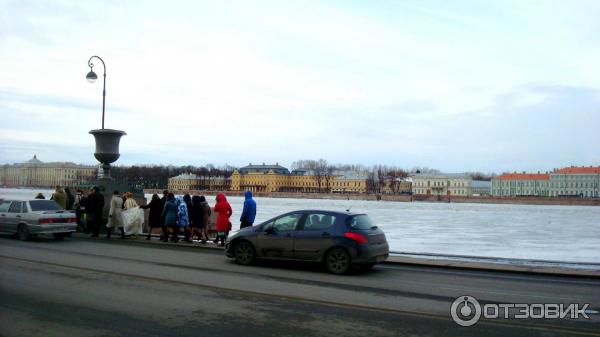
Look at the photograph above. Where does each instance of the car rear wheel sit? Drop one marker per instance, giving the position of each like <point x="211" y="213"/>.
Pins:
<point x="59" y="236"/>
<point x="337" y="261"/>
<point x="23" y="233"/>
<point x="244" y="253"/>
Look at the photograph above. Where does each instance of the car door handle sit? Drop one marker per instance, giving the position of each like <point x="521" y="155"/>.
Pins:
<point x="325" y="234"/>
<point x="288" y="235"/>
<point x="18" y="216"/>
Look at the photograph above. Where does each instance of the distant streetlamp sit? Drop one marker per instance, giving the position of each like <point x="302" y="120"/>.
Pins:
<point x="92" y="77"/>
<point x="107" y="140"/>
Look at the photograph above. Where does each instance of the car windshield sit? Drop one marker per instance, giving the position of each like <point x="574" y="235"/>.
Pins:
<point x="360" y="222"/>
<point x="45" y="205"/>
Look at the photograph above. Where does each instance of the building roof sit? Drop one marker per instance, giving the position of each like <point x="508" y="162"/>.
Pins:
<point x="579" y="170"/>
<point x="440" y="175"/>
<point x="523" y="176"/>
<point x="302" y="172"/>
<point x="186" y="176"/>
<point x="264" y="169"/>
<point x="350" y="175"/>
<point x="34" y="160"/>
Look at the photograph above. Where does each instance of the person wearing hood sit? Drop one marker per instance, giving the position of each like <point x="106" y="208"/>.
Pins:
<point x="249" y="211"/>
<point x="187" y="232"/>
<point x="199" y="215"/>
<point x="183" y="219"/>
<point x="224" y="211"/>
<point x="169" y="214"/>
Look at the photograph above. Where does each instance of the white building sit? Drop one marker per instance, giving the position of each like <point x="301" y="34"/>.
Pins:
<point x="575" y="181"/>
<point x="442" y="184"/>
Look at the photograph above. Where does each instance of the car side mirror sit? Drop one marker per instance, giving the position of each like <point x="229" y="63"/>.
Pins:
<point x="270" y="230"/>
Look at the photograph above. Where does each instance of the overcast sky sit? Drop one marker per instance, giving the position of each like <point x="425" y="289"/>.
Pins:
<point x="486" y="86"/>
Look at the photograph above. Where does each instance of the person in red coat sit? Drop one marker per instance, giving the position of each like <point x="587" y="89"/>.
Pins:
<point x="224" y="211"/>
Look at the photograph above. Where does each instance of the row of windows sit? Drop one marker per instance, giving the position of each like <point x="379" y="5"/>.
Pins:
<point x="575" y="176"/>
<point x="452" y="191"/>
<point x="545" y="184"/>
<point x="439" y="184"/>
<point x="545" y="193"/>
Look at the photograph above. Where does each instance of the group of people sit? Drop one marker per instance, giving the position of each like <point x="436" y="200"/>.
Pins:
<point x="77" y="203"/>
<point x="169" y="214"/>
<point x="192" y="214"/>
<point x="63" y="197"/>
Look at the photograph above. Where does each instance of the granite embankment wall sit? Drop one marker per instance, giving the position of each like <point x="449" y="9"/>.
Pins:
<point x="409" y="198"/>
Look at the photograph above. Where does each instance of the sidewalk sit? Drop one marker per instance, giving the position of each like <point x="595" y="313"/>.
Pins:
<point x="475" y="263"/>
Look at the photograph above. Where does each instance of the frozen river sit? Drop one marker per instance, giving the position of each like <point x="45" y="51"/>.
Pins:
<point x="560" y="233"/>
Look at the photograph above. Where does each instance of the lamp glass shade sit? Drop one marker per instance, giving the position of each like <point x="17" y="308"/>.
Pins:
<point x="91" y="77"/>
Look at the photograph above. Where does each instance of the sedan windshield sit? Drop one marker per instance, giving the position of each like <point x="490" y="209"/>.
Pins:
<point x="44" y="205"/>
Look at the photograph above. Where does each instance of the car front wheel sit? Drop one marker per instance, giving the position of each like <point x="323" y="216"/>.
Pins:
<point x="337" y="261"/>
<point x="244" y="253"/>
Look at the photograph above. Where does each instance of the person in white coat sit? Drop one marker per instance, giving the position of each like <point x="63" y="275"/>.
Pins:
<point x="115" y="216"/>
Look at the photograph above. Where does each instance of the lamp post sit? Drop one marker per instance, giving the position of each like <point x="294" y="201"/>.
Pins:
<point x="107" y="140"/>
<point x="92" y="77"/>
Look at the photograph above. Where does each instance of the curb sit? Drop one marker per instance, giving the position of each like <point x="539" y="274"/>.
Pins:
<point x="398" y="259"/>
<point x="494" y="266"/>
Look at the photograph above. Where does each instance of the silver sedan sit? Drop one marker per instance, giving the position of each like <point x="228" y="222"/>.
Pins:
<point x="35" y="217"/>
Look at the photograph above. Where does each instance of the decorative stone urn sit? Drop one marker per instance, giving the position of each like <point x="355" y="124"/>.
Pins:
<point x="107" y="148"/>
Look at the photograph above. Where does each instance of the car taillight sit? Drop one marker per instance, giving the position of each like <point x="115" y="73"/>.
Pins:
<point x="45" y="221"/>
<point x="72" y="220"/>
<point x="358" y="238"/>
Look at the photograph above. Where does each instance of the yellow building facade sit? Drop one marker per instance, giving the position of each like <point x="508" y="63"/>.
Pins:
<point x="275" y="178"/>
<point x="36" y="173"/>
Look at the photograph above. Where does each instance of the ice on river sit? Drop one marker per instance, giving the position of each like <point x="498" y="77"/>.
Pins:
<point x="560" y="233"/>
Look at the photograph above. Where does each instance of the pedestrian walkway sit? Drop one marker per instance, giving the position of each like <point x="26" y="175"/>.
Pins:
<point x="155" y="240"/>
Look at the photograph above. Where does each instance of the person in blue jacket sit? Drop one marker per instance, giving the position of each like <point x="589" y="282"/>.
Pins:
<point x="249" y="212"/>
<point x="169" y="213"/>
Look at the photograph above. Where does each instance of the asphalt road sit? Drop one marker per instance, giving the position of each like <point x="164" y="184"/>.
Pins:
<point x="83" y="287"/>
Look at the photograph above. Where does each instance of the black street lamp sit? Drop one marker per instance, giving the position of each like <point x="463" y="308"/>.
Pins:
<point x="107" y="140"/>
<point x="92" y="77"/>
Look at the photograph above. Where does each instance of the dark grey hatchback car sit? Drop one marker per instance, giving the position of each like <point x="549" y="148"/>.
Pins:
<point x="338" y="239"/>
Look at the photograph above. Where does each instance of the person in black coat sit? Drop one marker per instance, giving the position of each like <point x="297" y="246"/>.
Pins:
<point x="70" y="199"/>
<point x="93" y="210"/>
<point x="199" y="217"/>
<point x="163" y="200"/>
<point x="156" y="207"/>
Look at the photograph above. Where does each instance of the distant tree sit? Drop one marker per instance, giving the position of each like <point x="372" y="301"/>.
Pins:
<point x="481" y="176"/>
